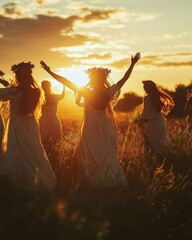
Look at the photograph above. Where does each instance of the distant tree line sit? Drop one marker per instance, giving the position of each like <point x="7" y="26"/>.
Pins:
<point x="131" y="100"/>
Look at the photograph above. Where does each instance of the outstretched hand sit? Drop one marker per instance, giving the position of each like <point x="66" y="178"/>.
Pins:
<point x="136" y="58"/>
<point x="44" y="66"/>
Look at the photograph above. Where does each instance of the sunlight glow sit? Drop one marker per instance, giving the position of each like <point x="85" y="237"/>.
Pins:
<point x="76" y="75"/>
<point x="56" y="87"/>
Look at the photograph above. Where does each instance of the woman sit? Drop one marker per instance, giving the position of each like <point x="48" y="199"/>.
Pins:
<point x="50" y="126"/>
<point x="98" y="145"/>
<point x="156" y="103"/>
<point x="24" y="159"/>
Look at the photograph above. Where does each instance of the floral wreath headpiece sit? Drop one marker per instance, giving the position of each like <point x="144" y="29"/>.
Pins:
<point x="22" y="66"/>
<point x="93" y="70"/>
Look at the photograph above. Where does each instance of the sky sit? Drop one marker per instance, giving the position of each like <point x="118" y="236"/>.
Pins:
<point x="71" y="36"/>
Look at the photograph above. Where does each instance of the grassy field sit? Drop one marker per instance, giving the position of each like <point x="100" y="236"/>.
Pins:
<point x="156" y="204"/>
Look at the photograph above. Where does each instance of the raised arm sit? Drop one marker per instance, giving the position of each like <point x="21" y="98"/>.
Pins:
<point x="59" y="78"/>
<point x="134" y="60"/>
<point x="4" y="82"/>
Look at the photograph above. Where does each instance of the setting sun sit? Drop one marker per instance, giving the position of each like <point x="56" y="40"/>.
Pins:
<point x="76" y="75"/>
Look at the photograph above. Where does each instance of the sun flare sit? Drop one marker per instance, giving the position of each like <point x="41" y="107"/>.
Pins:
<point x="75" y="75"/>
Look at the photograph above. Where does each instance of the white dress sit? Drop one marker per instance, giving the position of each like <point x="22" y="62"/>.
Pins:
<point x="24" y="159"/>
<point x="154" y="128"/>
<point x="98" y="148"/>
<point x="50" y="126"/>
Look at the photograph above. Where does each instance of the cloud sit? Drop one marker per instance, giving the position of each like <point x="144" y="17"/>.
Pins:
<point x="178" y="46"/>
<point x="178" y="54"/>
<point x="57" y="37"/>
<point x="114" y="17"/>
<point x="97" y="14"/>
<point x="45" y="2"/>
<point x="33" y="38"/>
<point x="173" y="64"/>
<point x="157" y="61"/>
<point x="40" y="2"/>
<point x="97" y="56"/>
<point x="49" y="11"/>
<point x="140" y="17"/>
<point x="97" y="1"/>
<point x="11" y="8"/>
<point x="171" y="36"/>
<point x="41" y="26"/>
<point x="120" y="63"/>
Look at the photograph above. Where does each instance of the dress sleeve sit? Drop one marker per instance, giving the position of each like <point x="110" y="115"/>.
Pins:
<point x="113" y="89"/>
<point x="148" y="110"/>
<point x="8" y="93"/>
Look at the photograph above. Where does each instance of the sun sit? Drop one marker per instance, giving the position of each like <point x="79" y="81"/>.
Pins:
<point x="75" y="75"/>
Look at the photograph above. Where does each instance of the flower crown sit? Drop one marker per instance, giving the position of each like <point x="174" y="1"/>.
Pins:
<point x="22" y="66"/>
<point x="149" y="82"/>
<point x="96" y="70"/>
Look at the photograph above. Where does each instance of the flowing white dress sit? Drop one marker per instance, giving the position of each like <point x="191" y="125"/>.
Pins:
<point x="98" y="147"/>
<point x="50" y="126"/>
<point x="154" y="128"/>
<point x="24" y="159"/>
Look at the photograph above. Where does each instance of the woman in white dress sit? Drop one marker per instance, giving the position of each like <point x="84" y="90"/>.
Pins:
<point x="24" y="160"/>
<point x="98" y="143"/>
<point x="156" y="104"/>
<point x="50" y="126"/>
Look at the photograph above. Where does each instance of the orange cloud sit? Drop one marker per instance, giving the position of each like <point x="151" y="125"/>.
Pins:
<point x="156" y="61"/>
<point x="48" y="36"/>
<point x="33" y="38"/>
<point x="11" y="8"/>
<point x="98" y="14"/>
<point x="40" y="2"/>
<point x="97" y="56"/>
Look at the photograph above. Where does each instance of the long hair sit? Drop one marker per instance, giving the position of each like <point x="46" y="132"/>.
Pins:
<point x="98" y="78"/>
<point x="159" y="99"/>
<point x="30" y="92"/>
<point x="46" y="86"/>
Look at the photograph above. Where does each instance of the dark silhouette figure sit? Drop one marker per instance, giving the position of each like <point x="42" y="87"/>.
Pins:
<point x="151" y="121"/>
<point x="98" y="146"/>
<point x="24" y="161"/>
<point x="50" y="126"/>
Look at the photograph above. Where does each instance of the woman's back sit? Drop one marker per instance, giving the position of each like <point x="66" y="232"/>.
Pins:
<point x="24" y="159"/>
<point x="50" y="126"/>
<point x="51" y="99"/>
<point x="98" y="147"/>
<point x="23" y="104"/>
<point x="98" y="98"/>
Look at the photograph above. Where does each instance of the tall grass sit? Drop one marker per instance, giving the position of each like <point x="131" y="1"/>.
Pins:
<point x="156" y="203"/>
